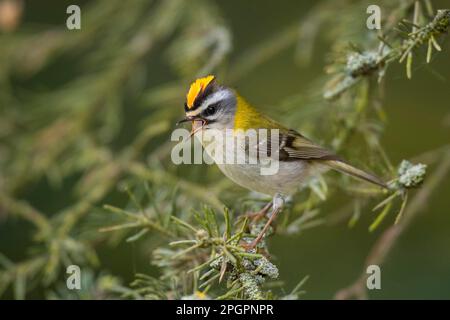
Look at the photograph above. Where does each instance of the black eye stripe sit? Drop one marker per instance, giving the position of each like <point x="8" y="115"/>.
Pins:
<point x="210" y="110"/>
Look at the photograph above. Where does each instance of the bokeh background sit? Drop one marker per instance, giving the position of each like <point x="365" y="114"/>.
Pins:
<point x="73" y="102"/>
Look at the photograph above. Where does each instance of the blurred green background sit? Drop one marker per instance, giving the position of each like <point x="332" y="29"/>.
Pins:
<point x="332" y="254"/>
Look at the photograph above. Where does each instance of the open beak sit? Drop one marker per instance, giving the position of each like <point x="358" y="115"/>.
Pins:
<point x="187" y="119"/>
<point x="195" y="118"/>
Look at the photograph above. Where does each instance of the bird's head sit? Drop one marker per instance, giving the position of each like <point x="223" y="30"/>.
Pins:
<point x="210" y="105"/>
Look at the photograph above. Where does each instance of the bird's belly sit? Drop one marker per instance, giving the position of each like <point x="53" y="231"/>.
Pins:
<point x="287" y="179"/>
<point x="283" y="177"/>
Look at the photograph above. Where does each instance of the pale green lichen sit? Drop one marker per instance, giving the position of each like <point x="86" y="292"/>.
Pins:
<point x="251" y="286"/>
<point x="411" y="175"/>
<point x="363" y="63"/>
<point x="267" y="268"/>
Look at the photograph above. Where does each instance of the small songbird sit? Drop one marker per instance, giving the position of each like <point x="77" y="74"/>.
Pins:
<point x="212" y="106"/>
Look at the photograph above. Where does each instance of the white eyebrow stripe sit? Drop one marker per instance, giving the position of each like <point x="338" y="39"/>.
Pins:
<point x="214" y="98"/>
<point x="193" y="113"/>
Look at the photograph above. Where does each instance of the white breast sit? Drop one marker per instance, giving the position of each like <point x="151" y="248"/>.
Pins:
<point x="249" y="174"/>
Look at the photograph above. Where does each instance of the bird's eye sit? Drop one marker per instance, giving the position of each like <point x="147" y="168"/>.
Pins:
<point x="210" y="110"/>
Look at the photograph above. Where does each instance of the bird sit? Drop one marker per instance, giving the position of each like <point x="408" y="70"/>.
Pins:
<point x="212" y="107"/>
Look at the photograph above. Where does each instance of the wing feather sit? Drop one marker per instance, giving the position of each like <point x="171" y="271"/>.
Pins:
<point x="299" y="147"/>
<point x="296" y="147"/>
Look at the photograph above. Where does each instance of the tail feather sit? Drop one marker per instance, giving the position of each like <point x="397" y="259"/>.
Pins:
<point x="355" y="172"/>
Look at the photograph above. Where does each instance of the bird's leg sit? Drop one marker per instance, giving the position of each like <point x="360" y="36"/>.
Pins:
<point x="277" y="205"/>
<point x="255" y="216"/>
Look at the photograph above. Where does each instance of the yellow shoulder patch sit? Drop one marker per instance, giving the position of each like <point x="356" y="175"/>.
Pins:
<point x="196" y="88"/>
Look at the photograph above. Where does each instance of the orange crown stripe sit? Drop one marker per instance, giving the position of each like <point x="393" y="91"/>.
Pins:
<point x="197" y="87"/>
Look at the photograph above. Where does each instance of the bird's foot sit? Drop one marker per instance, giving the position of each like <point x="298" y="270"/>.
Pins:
<point x="276" y="204"/>
<point x="255" y="216"/>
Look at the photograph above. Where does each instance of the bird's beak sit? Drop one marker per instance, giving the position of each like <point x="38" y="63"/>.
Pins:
<point x="195" y="118"/>
<point x="187" y="119"/>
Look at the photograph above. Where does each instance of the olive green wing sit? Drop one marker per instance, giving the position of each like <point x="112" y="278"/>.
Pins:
<point x="294" y="147"/>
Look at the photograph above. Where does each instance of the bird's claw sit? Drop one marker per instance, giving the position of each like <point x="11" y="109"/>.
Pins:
<point x="255" y="216"/>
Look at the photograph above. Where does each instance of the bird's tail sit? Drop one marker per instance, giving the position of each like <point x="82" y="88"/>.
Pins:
<point x="355" y="172"/>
